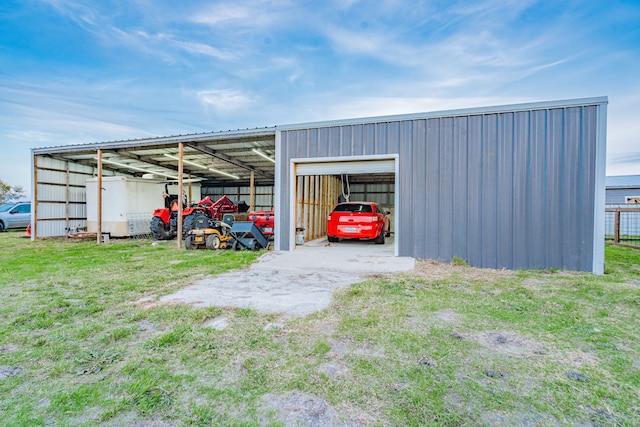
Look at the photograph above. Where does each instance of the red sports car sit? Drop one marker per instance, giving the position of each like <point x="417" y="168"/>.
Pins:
<point x="358" y="220"/>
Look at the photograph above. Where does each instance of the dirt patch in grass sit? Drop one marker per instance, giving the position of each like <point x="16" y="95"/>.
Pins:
<point x="298" y="408"/>
<point x="334" y="371"/>
<point x="509" y="342"/>
<point x="448" y="316"/>
<point x="132" y="419"/>
<point x="433" y="270"/>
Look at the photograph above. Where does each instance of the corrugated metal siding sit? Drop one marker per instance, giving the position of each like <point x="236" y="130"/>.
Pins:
<point x="507" y="189"/>
<point x="619" y="196"/>
<point x="61" y="196"/>
<point x="382" y="194"/>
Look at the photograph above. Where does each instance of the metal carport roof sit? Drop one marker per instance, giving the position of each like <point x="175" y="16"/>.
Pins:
<point x="216" y="158"/>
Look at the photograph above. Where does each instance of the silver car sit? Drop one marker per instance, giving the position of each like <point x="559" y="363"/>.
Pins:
<point x="15" y="215"/>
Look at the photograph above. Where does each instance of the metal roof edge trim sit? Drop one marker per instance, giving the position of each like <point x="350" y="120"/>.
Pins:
<point x="566" y="103"/>
<point x="149" y="142"/>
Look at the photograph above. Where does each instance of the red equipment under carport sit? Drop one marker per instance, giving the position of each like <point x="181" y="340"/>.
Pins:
<point x="264" y="220"/>
<point x="164" y="223"/>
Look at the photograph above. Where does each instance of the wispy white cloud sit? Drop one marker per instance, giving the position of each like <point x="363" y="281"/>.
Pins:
<point x="225" y="99"/>
<point x="223" y="13"/>
<point x="507" y="9"/>
<point x="202" y="49"/>
<point x="257" y="14"/>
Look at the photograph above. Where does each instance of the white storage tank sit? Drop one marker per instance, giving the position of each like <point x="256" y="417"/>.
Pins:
<point x="128" y="204"/>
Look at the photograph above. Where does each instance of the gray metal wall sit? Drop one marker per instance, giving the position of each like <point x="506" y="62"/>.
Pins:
<point x="615" y="196"/>
<point x="514" y="186"/>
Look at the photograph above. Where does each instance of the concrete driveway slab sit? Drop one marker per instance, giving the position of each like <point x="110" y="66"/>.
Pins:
<point x="295" y="283"/>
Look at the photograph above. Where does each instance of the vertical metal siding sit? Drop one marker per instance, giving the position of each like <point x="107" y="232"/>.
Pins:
<point x="446" y="175"/>
<point x="587" y="170"/>
<point x="521" y="197"/>
<point x="505" y="203"/>
<point x="474" y="165"/>
<point x="405" y="148"/>
<point x="460" y="193"/>
<point x="419" y="180"/>
<point x="512" y="189"/>
<point x="489" y="191"/>
<point x="536" y="189"/>
<point x="554" y="192"/>
<point x="571" y="187"/>
<point x="432" y="188"/>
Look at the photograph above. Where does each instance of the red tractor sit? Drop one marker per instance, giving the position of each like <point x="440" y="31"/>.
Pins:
<point x="164" y="224"/>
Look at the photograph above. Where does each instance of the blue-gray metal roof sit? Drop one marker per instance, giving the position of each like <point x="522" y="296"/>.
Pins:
<point x="623" y="181"/>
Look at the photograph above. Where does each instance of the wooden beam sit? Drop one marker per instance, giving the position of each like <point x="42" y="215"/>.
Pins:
<point x="99" y="237"/>
<point x="68" y="196"/>
<point x="180" y="183"/>
<point x="307" y="206"/>
<point x="34" y="224"/>
<point x="252" y="191"/>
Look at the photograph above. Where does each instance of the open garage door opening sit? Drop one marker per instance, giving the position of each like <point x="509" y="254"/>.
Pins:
<point x="320" y="186"/>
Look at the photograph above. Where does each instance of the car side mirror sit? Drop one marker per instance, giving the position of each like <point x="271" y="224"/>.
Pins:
<point x="388" y="212"/>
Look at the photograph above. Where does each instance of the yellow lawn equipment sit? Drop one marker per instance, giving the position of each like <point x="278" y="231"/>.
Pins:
<point x="209" y="238"/>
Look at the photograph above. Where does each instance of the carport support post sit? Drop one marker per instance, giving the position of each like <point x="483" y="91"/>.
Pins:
<point x="34" y="214"/>
<point x="99" y="237"/>
<point x="180" y="191"/>
<point x="190" y="198"/>
<point x="252" y="191"/>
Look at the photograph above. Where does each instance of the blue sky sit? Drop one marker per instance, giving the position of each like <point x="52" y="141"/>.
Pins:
<point x="81" y="71"/>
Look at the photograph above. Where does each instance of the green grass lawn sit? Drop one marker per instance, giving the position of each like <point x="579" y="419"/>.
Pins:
<point x="83" y="343"/>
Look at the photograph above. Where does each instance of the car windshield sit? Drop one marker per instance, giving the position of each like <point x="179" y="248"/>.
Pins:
<point x="353" y="207"/>
<point x="6" y="207"/>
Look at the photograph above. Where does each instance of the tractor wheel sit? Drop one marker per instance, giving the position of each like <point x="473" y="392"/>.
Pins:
<point x="188" y="224"/>
<point x="201" y="221"/>
<point x="189" y="244"/>
<point x="159" y="229"/>
<point x="213" y="242"/>
<point x="236" y="246"/>
<point x="255" y="246"/>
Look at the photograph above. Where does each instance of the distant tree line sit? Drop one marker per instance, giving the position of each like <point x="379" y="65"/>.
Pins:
<point x="10" y="193"/>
